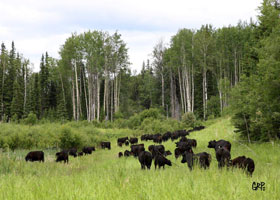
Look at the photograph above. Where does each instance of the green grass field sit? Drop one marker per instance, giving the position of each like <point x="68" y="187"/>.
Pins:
<point x="103" y="175"/>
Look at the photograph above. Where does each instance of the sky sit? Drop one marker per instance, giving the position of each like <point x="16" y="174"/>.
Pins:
<point x="38" y="26"/>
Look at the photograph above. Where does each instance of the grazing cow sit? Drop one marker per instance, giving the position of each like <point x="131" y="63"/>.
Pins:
<point x="250" y="165"/>
<point x="198" y="128"/>
<point x="120" y="144"/>
<point x="192" y="142"/>
<point x="81" y="153"/>
<point x="244" y="163"/>
<point x="120" y="154"/>
<point x="122" y="140"/>
<point x="204" y="159"/>
<point x="183" y="139"/>
<point x="136" y="149"/>
<point x="221" y="143"/>
<point x="161" y="161"/>
<point x="105" y="145"/>
<point x="166" y="136"/>
<point x="158" y="139"/>
<point x="88" y="150"/>
<point x="223" y="157"/>
<point x="62" y="156"/>
<point x="167" y="153"/>
<point x="238" y="162"/>
<point x="35" y="156"/>
<point x="177" y="152"/>
<point x="183" y="146"/>
<point x="127" y="153"/>
<point x="156" y="149"/>
<point x="133" y="140"/>
<point x="188" y="158"/>
<point x="145" y="159"/>
<point x="71" y="152"/>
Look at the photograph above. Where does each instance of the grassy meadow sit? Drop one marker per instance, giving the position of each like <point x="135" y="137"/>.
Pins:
<point x="103" y="175"/>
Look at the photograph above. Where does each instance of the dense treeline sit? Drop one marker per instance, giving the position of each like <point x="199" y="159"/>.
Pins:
<point x="201" y="71"/>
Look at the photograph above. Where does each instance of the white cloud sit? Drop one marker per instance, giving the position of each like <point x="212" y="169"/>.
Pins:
<point x="38" y="26"/>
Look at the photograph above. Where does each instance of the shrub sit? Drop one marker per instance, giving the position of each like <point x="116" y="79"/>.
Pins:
<point x="68" y="139"/>
<point x="31" y="119"/>
<point x="189" y="119"/>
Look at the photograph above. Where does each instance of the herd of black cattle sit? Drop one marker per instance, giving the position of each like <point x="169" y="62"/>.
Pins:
<point x="158" y="153"/>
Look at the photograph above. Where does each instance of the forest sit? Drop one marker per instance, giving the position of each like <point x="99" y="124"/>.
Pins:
<point x="202" y="74"/>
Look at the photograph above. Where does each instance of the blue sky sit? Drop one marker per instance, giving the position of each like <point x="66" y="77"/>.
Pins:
<point x="38" y="26"/>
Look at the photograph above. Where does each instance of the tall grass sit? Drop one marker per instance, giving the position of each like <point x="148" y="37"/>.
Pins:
<point x="105" y="176"/>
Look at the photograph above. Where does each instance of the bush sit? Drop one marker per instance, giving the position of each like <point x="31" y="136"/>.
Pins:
<point x="213" y="106"/>
<point x="68" y="139"/>
<point x="189" y="119"/>
<point x="31" y="119"/>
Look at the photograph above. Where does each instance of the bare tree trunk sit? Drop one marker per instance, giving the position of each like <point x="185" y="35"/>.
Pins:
<point x="98" y="98"/>
<point x="188" y="91"/>
<point x="73" y="100"/>
<point x="181" y="92"/>
<point x="85" y="91"/>
<point x="112" y="99"/>
<point x="115" y="80"/>
<point x="204" y="88"/>
<point x="172" y="95"/>
<point x="77" y="92"/>
<point x="89" y="96"/>
<point x="94" y="97"/>
<point x="25" y="90"/>
<point x="192" y="73"/>
<point x="119" y="90"/>
<point x="162" y="90"/>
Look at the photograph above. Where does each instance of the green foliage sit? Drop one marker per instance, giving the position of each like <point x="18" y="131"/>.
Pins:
<point x="31" y="119"/>
<point x="189" y="119"/>
<point x="213" y="107"/>
<point x="255" y="101"/>
<point x="68" y="139"/>
<point x="125" y="179"/>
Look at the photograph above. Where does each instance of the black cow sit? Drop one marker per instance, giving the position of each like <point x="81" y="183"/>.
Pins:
<point x="249" y="165"/>
<point x="183" y="146"/>
<point x="120" y="144"/>
<point x="167" y="153"/>
<point x="145" y="159"/>
<point x="192" y="142"/>
<point x="35" y="156"/>
<point x="223" y="157"/>
<point x="188" y="158"/>
<point x="127" y="153"/>
<point x="120" y="154"/>
<point x="244" y="163"/>
<point x="166" y="136"/>
<point x="122" y="140"/>
<point x="218" y="144"/>
<point x="88" y="150"/>
<point x="71" y="152"/>
<point x="177" y="152"/>
<point x="136" y="149"/>
<point x="161" y="161"/>
<point x="156" y="149"/>
<point x="105" y="145"/>
<point x="157" y="139"/>
<point x="204" y="159"/>
<point x="81" y="153"/>
<point x="133" y="140"/>
<point x="62" y="156"/>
